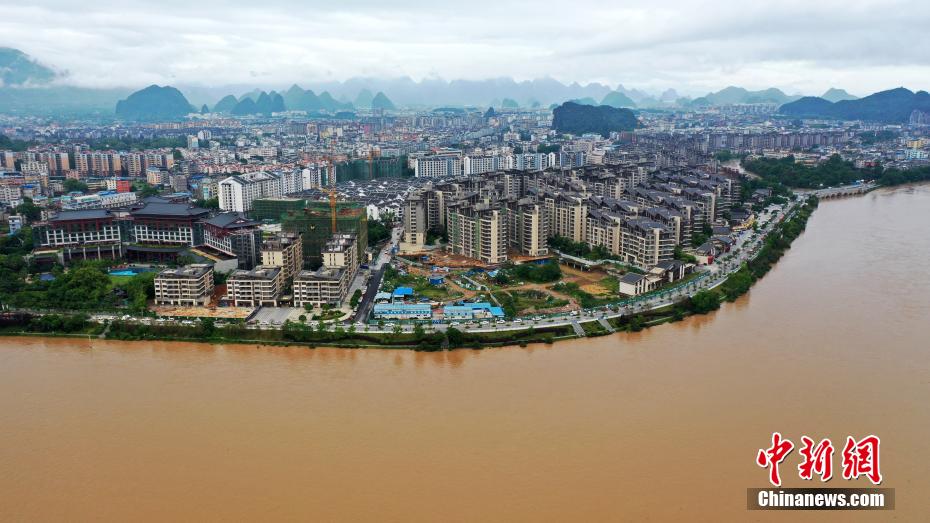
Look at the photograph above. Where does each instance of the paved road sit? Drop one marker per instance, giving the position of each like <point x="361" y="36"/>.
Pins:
<point x="364" y="305"/>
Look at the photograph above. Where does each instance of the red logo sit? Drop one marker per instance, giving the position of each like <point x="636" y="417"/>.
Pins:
<point x="817" y="460"/>
<point x="774" y="455"/>
<point x="860" y="458"/>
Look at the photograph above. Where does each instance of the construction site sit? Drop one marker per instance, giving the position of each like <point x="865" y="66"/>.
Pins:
<point x="318" y="221"/>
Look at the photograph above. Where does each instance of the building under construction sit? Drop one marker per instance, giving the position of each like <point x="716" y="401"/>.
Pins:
<point x="366" y="169"/>
<point x="315" y="223"/>
<point x="274" y="209"/>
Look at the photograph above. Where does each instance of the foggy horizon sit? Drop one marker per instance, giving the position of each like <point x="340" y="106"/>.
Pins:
<point x="862" y="47"/>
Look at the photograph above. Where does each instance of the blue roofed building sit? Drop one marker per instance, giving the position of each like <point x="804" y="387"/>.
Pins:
<point x="402" y="311"/>
<point x="472" y="311"/>
<point x="402" y="293"/>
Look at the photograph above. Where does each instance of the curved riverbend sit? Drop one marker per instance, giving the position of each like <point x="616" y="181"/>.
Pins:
<point x="661" y="424"/>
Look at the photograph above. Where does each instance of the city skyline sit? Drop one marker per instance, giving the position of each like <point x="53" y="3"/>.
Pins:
<point x="862" y="47"/>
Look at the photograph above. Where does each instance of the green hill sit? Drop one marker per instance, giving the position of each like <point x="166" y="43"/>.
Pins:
<point x="364" y="99"/>
<point x="154" y="103"/>
<point x="17" y="68"/>
<point x="836" y="95"/>
<point x="618" y="100"/>
<point x="737" y="95"/>
<point x="381" y="101"/>
<point x="892" y="106"/>
<point x="226" y="104"/>
<point x="587" y="100"/>
<point x="579" y="119"/>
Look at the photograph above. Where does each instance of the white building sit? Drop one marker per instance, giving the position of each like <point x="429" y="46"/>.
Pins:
<point x="530" y="161"/>
<point x="262" y="285"/>
<point x="16" y="223"/>
<point x="312" y="177"/>
<point x="292" y="181"/>
<point x="102" y="200"/>
<point x="437" y="166"/>
<point x="329" y="284"/>
<point x="11" y="195"/>
<point x="482" y="164"/>
<point x="190" y="285"/>
<point x="154" y="176"/>
<point x="237" y="193"/>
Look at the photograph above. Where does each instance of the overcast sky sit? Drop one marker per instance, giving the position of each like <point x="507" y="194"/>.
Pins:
<point x="693" y="46"/>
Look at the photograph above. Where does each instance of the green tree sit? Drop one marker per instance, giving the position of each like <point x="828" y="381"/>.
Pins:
<point x="211" y="203"/>
<point x="209" y="327"/>
<point x="456" y="337"/>
<point x="378" y="232"/>
<point x="144" y="190"/>
<point x="30" y="210"/>
<point x="705" y="301"/>
<point x="356" y="296"/>
<point x="71" y="185"/>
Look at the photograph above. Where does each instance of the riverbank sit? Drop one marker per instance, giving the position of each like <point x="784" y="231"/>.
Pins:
<point x="776" y="242"/>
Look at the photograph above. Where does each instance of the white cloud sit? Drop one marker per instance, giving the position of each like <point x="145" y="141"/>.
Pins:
<point x="799" y="46"/>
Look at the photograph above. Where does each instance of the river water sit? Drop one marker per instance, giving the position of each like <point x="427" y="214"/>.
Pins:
<point x="658" y="425"/>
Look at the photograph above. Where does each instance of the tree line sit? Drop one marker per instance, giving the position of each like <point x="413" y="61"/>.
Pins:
<point x="833" y="172"/>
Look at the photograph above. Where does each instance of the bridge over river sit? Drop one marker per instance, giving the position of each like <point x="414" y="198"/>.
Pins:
<point x="846" y="190"/>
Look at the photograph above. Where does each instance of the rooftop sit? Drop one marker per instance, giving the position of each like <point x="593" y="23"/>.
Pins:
<point x="90" y="214"/>
<point x="188" y="271"/>
<point x="231" y="220"/>
<point x="262" y="272"/>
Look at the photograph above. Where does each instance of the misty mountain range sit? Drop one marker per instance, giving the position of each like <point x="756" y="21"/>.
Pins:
<point x="28" y="87"/>
<point x="893" y="106"/>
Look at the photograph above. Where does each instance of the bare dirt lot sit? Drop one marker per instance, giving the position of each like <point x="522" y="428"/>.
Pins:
<point x="204" y="312"/>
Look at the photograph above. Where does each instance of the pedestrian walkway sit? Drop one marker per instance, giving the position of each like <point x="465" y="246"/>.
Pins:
<point x="578" y="330"/>
<point x="604" y="323"/>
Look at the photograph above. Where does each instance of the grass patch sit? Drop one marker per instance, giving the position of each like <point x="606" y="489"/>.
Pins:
<point x="327" y="315"/>
<point x="586" y="300"/>
<point x="535" y="300"/>
<point x="611" y="284"/>
<point x="420" y="285"/>
<point x="593" y="328"/>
